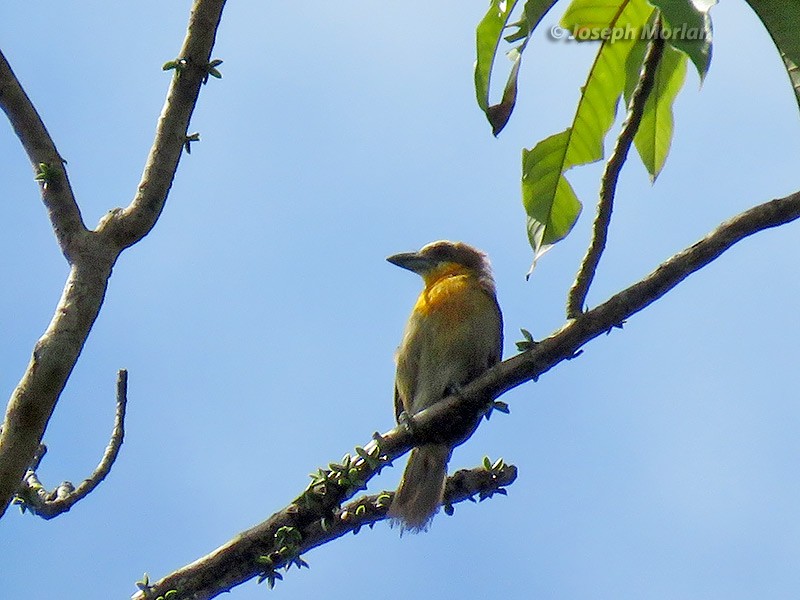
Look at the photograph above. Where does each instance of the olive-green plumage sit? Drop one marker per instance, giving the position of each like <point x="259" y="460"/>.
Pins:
<point x="454" y="333"/>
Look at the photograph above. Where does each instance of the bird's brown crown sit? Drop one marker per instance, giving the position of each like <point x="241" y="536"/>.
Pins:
<point x="444" y="255"/>
<point x="456" y="252"/>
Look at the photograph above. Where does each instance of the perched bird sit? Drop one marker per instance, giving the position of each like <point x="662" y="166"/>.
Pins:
<point x="454" y="333"/>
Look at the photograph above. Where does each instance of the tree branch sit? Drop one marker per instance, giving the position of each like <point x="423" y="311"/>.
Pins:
<point x="55" y="354"/>
<point x="608" y="186"/>
<point x="614" y="311"/>
<point x="232" y="563"/>
<point x="34" y="497"/>
<point x="131" y="224"/>
<point x="65" y="216"/>
<point x="279" y="541"/>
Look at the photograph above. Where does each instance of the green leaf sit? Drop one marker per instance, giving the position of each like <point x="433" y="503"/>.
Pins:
<point x="633" y="65"/>
<point x="527" y="343"/>
<point x="178" y="64"/>
<point x="144" y="583"/>
<point x="548" y="198"/>
<point x="487" y="40"/>
<point x="499" y="114"/>
<point x="45" y="172"/>
<point x="654" y="137"/>
<point x="687" y="27"/>
<point x="782" y="21"/>
<point x="609" y="14"/>
<point x="598" y="103"/>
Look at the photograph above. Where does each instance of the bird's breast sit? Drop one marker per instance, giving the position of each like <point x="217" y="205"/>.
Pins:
<point x="450" y="298"/>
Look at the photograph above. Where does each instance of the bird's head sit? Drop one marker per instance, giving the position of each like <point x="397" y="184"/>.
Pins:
<point x="443" y="258"/>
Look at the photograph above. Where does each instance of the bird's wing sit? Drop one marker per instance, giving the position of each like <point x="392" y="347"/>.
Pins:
<point x="497" y="355"/>
<point x="398" y="403"/>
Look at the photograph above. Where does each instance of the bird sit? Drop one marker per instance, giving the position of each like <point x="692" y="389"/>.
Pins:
<point x="454" y="333"/>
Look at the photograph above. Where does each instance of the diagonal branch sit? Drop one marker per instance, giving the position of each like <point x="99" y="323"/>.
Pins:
<point x="65" y="216"/>
<point x="608" y="187"/>
<point x="613" y="312"/>
<point x="34" y="497"/>
<point x="233" y="563"/>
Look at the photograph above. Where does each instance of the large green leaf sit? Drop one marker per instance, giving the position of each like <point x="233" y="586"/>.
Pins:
<point x="549" y="199"/>
<point x="687" y="27"/>
<point x="782" y="20"/>
<point x="654" y="135"/>
<point x="488" y="35"/>
<point x="590" y="14"/>
<point x="597" y="106"/>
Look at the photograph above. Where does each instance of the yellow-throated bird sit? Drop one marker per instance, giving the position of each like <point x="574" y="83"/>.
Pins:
<point x="454" y="333"/>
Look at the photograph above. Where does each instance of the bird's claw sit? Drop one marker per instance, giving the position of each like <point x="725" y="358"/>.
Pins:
<point x="406" y="421"/>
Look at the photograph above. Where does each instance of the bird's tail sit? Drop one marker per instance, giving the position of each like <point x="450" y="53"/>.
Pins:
<point x="421" y="489"/>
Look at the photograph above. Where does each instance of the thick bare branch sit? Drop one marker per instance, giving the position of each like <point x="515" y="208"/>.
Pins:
<point x="65" y="216"/>
<point x="608" y="186"/>
<point x="33" y="495"/>
<point x="232" y="563"/>
<point x="56" y="352"/>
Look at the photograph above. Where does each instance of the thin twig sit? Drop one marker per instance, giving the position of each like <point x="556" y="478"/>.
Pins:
<point x="65" y="216"/>
<point x="608" y="186"/>
<point x="34" y="497"/>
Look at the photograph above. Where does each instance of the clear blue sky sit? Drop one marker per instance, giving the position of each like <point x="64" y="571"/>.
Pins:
<point x="259" y="319"/>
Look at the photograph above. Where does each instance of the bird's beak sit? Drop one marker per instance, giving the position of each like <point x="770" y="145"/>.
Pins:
<point x="411" y="261"/>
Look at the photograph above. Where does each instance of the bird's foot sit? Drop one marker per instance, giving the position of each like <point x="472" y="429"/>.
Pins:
<point x="406" y="421"/>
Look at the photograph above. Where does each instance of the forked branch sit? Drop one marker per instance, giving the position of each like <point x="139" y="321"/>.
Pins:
<point x="92" y="254"/>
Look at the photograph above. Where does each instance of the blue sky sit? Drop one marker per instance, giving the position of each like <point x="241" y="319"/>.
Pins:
<point x="259" y="319"/>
